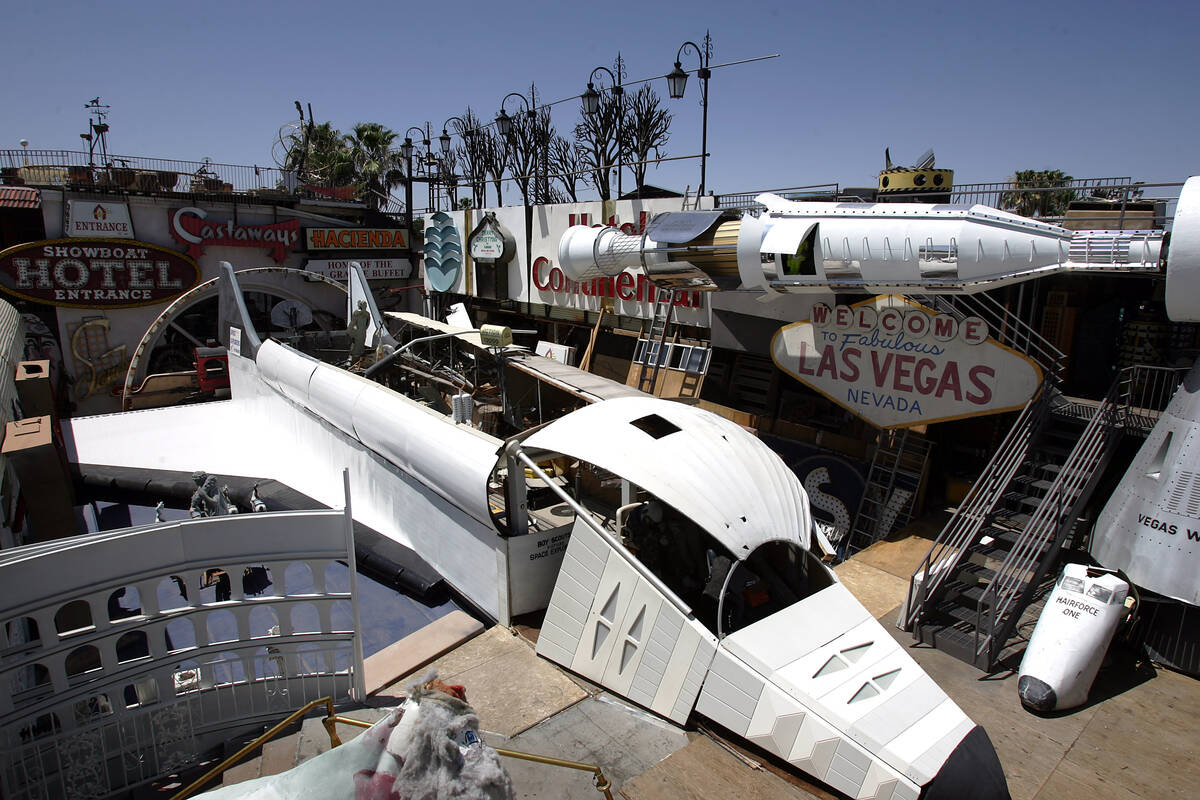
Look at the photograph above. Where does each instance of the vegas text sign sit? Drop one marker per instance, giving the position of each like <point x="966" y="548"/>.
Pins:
<point x="898" y="364"/>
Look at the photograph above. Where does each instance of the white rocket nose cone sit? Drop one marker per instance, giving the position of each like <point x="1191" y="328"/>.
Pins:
<point x="577" y="251"/>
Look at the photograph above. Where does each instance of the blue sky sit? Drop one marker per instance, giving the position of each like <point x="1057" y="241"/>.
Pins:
<point x="1091" y="88"/>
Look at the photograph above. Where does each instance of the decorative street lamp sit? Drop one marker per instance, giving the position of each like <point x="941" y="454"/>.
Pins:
<point x="406" y="150"/>
<point x="467" y="134"/>
<point x="677" y="83"/>
<point x="591" y="107"/>
<point x="504" y="124"/>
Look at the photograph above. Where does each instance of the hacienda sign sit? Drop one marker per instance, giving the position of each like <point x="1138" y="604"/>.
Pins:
<point x="96" y="273"/>
<point x="898" y="364"/>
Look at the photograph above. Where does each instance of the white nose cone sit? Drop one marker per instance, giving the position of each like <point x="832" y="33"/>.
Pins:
<point x="1070" y="639"/>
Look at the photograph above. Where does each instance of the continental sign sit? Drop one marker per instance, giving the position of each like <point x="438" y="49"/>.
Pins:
<point x="96" y="273"/>
<point x="356" y="239"/>
<point x="897" y="364"/>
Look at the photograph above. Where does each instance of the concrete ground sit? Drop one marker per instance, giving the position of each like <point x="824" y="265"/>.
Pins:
<point x="1134" y="739"/>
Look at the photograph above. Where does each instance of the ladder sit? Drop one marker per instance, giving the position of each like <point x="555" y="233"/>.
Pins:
<point x="655" y="350"/>
<point x="893" y="482"/>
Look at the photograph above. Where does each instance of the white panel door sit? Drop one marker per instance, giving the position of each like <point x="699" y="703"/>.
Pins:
<point x="626" y="618"/>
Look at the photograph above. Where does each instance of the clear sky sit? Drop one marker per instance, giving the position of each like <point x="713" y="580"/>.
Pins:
<point x="1095" y="89"/>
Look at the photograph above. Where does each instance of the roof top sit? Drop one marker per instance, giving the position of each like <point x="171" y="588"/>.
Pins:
<point x="706" y="467"/>
<point x="20" y="197"/>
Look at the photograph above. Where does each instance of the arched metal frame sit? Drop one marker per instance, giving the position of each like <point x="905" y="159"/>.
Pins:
<point x="207" y="290"/>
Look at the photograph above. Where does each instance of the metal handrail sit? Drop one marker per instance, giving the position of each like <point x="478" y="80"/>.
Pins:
<point x="261" y="739"/>
<point x="1050" y="517"/>
<point x="598" y="780"/>
<point x="1007" y="328"/>
<point x="963" y="529"/>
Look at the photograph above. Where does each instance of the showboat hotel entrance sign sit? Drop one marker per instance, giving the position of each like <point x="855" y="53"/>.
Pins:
<point x="96" y="273"/>
<point x="898" y="364"/>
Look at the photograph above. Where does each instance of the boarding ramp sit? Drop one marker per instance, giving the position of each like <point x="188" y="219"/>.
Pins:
<point x="128" y="654"/>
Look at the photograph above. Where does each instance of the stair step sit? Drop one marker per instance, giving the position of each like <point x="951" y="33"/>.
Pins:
<point x="245" y="771"/>
<point x="1042" y="484"/>
<point x="279" y="755"/>
<point x="968" y="593"/>
<point x="1015" y="521"/>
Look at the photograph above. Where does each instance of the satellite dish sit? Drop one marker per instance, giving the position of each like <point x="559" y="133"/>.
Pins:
<point x="291" y="314"/>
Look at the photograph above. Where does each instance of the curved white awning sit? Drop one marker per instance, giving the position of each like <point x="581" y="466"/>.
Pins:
<point x="723" y="478"/>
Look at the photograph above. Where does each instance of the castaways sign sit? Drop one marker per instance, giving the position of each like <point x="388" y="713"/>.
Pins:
<point x="190" y="226"/>
<point x="898" y="364"/>
<point x="96" y="273"/>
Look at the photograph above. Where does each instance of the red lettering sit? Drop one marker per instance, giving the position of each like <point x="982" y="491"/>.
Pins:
<point x="976" y="375"/>
<point x="624" y="284"/>
<point x="642" y="286"/>
<point x="891" y="320"/>
<point x="557" y="280"/>
<point x="881" y="370"/>
<point x="924" y="382"/>
<point x="843" y="316"/>
<point x="802" y="362"/>
<point x="820" y="314"/>
<point x="903" y="375"/>
<point x="916" y="324"/>
<point x="827" y="362"/>
<point x="850" y="357"/>
<point x="538" y="263"/>
<point x="950" y="383"/>
<point x="945" y="327"/>
<point x="974" y="330"/>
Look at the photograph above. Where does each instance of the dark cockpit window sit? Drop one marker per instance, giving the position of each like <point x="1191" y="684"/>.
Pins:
<point x="776" y="575"/>
<point x="656" y="426"/>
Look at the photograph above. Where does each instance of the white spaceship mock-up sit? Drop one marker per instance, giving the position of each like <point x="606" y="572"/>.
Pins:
<point x="703" y="594"/>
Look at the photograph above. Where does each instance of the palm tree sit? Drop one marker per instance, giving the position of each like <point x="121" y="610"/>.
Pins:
<point x="318" y="155"/>
<point x="1038" y="203"/>
<point x="377" y="167"/>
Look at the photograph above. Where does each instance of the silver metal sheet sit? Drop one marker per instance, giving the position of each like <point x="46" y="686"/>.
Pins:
<point x="677" y="228"/>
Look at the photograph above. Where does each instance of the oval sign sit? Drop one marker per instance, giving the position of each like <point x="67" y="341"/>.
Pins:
<point x="96" y="273"/>
<point x="898" y="364"/>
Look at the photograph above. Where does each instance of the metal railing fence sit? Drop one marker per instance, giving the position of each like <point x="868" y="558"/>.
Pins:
<point x="77" y="170"/>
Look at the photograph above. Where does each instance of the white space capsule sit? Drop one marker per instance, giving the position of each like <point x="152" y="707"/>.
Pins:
<point x="852" y="247"/>
<point x="1071" y="637"/>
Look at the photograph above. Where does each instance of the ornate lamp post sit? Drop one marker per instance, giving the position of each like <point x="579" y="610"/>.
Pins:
<point x="468" y="134"/>
<point x="504" y="123"/>
<point x="406" y="150"/>
<point x="591" y="107"/>
<point x="677" y="83"/>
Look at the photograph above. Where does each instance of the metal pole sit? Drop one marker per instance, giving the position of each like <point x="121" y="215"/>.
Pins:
<point x="703" y="129"/>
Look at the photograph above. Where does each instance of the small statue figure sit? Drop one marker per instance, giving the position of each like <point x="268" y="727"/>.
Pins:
<point x="209" y="500"/>
<point x="357" y="329"/>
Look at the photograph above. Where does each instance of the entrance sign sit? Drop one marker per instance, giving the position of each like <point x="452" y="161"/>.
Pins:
<point x="898" y="364"/>
<point x="96" y="273"/>
<point x="90" y="218"/>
